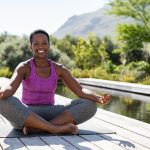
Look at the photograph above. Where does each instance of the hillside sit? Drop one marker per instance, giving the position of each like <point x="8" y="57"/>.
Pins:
<point x="97" y="22"/>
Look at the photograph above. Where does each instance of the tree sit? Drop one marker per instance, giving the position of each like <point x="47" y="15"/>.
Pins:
<point x="10" y="53"/>
<point x="3" y="36"/>
<point x="131" y="43"/>
<point x="136" y="9"/>
<point x="91" y="53"/>
<point x="65" y="44"/>
<point x="133" y="37"/>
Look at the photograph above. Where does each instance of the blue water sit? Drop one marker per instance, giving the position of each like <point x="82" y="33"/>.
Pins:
<point x="128" y="104"/>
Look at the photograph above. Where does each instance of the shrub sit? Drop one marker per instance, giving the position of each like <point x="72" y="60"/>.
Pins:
<point x="145" y="81"/>
<point x="5" y="72"/>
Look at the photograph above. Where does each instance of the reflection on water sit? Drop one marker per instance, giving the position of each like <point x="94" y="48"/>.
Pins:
<point x="128" y="104"/>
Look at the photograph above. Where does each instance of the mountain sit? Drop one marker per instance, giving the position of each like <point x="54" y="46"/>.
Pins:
<point x="97" y="22"/>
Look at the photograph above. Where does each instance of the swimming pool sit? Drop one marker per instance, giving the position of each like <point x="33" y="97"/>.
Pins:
<point x="128" y="104"/>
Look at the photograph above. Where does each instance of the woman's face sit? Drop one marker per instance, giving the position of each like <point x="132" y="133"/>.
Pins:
<point x="40" y="45"/>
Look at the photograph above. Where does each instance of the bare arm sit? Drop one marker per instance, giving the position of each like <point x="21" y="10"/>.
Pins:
<point x="15" y="81"/>
<point x="75" y="86"/>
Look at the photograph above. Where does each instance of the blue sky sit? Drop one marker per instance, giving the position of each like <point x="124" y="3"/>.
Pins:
<point x="23" y="16"/>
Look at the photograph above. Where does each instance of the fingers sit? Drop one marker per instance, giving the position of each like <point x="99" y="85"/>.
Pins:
<point x="25" y="130"/>
<point x="75" y="130"/>
<point x="107" y="96"/>
<point x="104" y="99"/>
<point x="1" y="94"/>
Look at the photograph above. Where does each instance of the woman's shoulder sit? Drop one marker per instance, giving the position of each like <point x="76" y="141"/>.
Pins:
<point x="57" y="65"/>
<point x="23" y="69"/>
<point x="23" y="66"/>
<point x="60" y="68"/>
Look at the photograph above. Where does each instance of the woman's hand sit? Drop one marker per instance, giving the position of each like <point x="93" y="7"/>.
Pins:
<point x="1" y="94"/>
<point x="104" y="99"/>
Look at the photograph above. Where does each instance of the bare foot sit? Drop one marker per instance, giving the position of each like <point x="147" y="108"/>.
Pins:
<point x="27" y="131"/>
<point x="68" y="128"/>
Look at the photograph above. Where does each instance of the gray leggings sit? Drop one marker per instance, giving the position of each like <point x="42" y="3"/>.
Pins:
<point x="16" y="112"/>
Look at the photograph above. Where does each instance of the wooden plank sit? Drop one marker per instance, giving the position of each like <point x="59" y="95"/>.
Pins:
<point x="123" y="142"/>
<point x="1" y="120"/>
<point x="124" y="124"/>
<point x="116" y="85"/>
<point x="57" y="143"/>
<point x="35" y="143"/>
<point x="131" y="136"/>
<point x="12" y="144"/>
<point x="125" y="119"/>
<point x="80" y="143"/>
<point x="102" y="143"/>
<point x="5" y="121"/>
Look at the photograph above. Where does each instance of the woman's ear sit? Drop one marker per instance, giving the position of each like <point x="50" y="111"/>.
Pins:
<point x="30" y="46"/>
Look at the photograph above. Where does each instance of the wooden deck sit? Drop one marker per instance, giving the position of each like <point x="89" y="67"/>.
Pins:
<point x="130" y="135"/>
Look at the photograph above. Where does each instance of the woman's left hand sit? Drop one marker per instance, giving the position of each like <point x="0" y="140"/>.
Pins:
<point x="104" y="99"/>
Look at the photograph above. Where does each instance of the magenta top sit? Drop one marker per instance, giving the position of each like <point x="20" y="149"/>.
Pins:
<point x="37" y="90"/>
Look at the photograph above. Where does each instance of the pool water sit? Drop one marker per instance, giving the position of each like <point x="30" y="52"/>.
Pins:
<point x="128" y="104"/>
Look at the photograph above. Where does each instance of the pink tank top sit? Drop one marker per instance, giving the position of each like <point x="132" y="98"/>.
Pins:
<point x="38" y="90"/>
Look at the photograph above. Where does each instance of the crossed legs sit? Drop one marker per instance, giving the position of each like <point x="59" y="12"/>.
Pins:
<point x="34" y="121"/>
<point x="20" y="116"/>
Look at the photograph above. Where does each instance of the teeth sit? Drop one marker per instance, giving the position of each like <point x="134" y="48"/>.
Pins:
<point x="41" y="51"/>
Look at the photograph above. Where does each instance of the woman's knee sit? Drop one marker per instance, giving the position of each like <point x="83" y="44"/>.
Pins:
<point x="90" y="106"/>
<point x="83" y="110"/>
<point x="14" y="111"/>
<point x="6" y="103"/>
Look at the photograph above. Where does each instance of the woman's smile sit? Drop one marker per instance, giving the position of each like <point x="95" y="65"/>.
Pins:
<point x="41" y="51"/>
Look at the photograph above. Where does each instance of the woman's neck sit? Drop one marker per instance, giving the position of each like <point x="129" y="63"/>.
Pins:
<point x="41" y="62"/>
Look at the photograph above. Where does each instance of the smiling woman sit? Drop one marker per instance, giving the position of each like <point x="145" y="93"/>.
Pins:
<point x="40" y="46"/>
<point x="37" y="108"/>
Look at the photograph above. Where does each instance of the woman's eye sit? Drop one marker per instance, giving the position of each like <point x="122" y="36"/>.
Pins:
<point x="44" y="43"/>
<point x="36" y="44"/>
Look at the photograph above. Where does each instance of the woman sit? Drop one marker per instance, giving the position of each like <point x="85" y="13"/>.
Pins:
<point x="37" y="109"/>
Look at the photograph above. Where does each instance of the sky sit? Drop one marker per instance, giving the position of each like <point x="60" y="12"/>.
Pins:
<point x="21" y="17"/>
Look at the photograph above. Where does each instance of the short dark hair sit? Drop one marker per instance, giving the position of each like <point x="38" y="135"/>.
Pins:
<point x="37" y="32"/>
